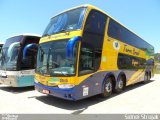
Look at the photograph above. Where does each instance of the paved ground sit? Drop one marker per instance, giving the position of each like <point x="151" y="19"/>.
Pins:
<point x="139" y="98"/>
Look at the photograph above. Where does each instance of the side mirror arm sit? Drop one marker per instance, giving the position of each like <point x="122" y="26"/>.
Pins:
<point x="70" y="46"/>
<point x="32" y="45"/>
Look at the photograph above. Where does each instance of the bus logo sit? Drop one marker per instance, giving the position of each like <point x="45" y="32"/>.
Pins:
<point x="54" y="80"/>
<point x="116" y="45"/>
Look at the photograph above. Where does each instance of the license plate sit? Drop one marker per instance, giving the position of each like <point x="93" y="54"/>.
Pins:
<point x="45" y="91"/>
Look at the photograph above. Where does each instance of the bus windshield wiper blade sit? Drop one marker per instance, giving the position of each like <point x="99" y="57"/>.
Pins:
<point x="62" y="30"/>
<point x="39" y="69"/>
<point x="46" y="34"/>
<point x="65" y="74"/>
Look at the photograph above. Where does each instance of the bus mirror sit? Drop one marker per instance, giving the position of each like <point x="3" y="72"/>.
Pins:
<point x="70" y="46"/>
<point x="11" y="47"/>
<point x="29" y="46"/>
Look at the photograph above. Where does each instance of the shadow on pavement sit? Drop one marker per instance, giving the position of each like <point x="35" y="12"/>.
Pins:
<point x="82" y="105"/>
<point x="16" y="90"/>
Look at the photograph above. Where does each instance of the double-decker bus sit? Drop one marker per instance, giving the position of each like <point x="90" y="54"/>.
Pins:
<point x="18" y="60"/>
<point x="85" y="52"/>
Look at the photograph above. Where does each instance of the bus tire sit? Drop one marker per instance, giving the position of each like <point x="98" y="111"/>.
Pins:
<point x="107" y="88"/>
<point x="121" y="84"/>
<point x="149" y="75"/>
<point x="146" y="77"/>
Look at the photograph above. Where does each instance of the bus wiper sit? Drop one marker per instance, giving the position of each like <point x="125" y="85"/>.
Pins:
<point x="62" y="30"/>
<point x="65" y="74"/>
<point x="39" y="69"/>
<point x="46" y="34"/>
<point x="58" y="72"/>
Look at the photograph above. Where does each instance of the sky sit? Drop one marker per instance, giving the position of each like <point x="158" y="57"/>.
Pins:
<point x="32" y="16"/>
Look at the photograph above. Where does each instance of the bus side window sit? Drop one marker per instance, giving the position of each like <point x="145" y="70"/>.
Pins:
<point x="114" y="30"/>
<point x="97" y="58"/>
<point x="92" y="42"/>
<point x="130" y="62"/>
<point x="86" y="60"/>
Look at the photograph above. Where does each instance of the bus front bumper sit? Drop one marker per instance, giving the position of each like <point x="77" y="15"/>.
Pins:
<point x="67" y="94"/>
<point x="9" y="80"/>
<point x="15" y="81"/>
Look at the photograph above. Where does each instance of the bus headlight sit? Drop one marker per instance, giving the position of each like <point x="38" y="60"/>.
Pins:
<point x="36" y="81"/>
<point x="66" y="86"/>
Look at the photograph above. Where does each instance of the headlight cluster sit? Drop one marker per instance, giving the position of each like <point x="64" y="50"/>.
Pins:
<point x="36" y="81"/>
<point x="63" y="86"/>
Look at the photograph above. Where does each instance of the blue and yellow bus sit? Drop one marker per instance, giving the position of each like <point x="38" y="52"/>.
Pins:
<point x="18" y="60"/>
<point x="85" y="52"/>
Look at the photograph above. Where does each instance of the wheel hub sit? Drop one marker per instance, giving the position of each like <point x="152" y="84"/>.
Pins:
<point x="120" y="85"/>
<point x="108" y="87"/>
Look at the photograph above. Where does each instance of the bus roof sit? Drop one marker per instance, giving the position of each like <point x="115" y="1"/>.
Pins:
<point x="26" y="34"/>
<point x="94" y="7"/>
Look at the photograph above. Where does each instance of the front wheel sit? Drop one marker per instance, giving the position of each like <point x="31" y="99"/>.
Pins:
<point x="107" y="88"/>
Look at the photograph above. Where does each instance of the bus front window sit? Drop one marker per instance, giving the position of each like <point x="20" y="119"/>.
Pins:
<point x="67" y="21"/>
<point x="42" y="58"/>
<point x="52" y="59"/>
<point x="10" y="52"/>
<point x="13" y="56"/>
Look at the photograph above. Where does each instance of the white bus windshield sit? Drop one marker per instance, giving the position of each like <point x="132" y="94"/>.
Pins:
<point x="10" y="53"/>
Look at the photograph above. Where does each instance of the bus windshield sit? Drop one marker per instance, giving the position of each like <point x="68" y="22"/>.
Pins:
<point x="67" y="21"/>
<point x="10" y="53"/>
<point x="52" y="59"/>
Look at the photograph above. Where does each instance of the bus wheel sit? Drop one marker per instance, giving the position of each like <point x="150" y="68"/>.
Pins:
<point x="149" y="76"/>
<point x="107" y="88"/>
<point x="121" y="84"/>
<point x="146" y="78"/>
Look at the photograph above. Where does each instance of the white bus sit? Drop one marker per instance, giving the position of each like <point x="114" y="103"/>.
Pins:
<point x="18" y="60"/>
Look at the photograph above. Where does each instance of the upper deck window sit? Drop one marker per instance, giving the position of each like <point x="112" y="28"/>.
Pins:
<point x="117" y="31"/>
<point x="67" y="21"/>
<point x="10" y="52"/>
<point x="11" y="40"/>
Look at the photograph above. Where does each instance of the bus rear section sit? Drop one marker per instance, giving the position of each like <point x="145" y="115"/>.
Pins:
<point x="18" y="60"/>
<point x="88" y="53"/>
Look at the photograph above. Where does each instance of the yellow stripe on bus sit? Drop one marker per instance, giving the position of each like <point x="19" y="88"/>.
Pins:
<point x="135" y="77"/>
